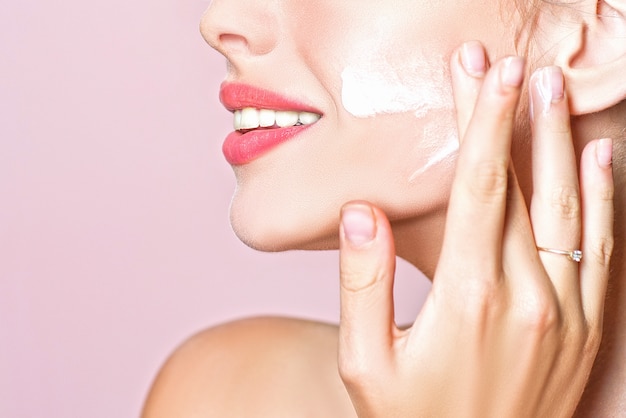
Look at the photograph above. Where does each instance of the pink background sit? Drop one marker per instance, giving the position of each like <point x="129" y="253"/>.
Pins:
<point x="114" y="235"/>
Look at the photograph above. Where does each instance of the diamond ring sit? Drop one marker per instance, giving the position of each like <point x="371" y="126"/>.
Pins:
<point x="575" y="255"/>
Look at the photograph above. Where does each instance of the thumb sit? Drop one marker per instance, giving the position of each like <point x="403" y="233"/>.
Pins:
<point x="367" y="266"/>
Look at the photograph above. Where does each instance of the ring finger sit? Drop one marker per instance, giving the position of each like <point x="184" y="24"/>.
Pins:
<point x="555" y="206"/>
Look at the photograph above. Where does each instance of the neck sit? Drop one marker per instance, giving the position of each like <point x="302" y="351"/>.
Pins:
<point x="427" y="230"/>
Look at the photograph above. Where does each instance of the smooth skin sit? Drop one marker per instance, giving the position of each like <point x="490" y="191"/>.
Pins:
<point x="506" y="332"/>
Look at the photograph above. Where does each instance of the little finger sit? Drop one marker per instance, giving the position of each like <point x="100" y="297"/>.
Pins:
<point x="597" y="191"/>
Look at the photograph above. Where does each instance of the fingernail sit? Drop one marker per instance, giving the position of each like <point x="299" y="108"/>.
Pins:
<point x="473" y="58"/>
<point x="358" y="224"/>
<point x="513" y="71"/>
<point x="551" y="85"/>
<point x="604" y="152"/>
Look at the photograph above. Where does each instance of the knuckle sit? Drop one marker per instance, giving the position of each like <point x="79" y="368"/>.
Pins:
<point x="539" y="315"/>
<point x="490" y="180"/>
<point x="354" y="371"/>
<point x="602" y="250"/>
<point x="354" y="281"/>
<point x="361" y="274"/>
<point x="565" y="202"/>
<point x="480" y="300"/>
<point x="592" y="342"/>
<point x="574" y="334"/>
<point x="560" y="127"/>
<point x="605" y="193"/>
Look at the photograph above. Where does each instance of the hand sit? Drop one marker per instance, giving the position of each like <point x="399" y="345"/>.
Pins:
<point x="507" y="330"/>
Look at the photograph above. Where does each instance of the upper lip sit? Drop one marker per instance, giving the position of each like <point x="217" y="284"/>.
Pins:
<point x="236" y="96"/>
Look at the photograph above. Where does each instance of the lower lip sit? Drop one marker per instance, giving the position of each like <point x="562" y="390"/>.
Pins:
<point x="242" y="148"/>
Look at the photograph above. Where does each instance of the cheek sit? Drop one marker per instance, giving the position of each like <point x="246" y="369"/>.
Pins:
<point x="390" y="139"/>
<point x="419" y="161"/>
<point x="376" y="77"/>
<point x="439" y="149"/>
<point x="415" y="94"/>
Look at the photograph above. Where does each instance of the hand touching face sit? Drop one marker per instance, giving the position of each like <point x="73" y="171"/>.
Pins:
<point x="509" y="329"/>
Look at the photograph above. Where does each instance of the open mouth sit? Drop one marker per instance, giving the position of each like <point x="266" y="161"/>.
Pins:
<point x="263" y="120"/>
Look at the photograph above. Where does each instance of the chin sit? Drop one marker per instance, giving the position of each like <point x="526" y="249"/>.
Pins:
<point x="275" y="231"/>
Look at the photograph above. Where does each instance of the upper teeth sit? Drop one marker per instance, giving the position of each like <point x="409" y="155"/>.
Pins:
<point x="251" y="118"/>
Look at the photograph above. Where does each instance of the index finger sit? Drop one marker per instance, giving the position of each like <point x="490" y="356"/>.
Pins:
<point x="468" y="65"/>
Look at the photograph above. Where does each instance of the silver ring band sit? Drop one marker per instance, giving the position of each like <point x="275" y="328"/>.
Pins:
<point x="575" y="255"/>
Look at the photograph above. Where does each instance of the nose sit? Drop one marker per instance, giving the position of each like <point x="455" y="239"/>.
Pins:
<point x="241" y="27"/>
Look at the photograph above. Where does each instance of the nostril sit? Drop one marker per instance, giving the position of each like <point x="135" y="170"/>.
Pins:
<point x="233" y="43"/>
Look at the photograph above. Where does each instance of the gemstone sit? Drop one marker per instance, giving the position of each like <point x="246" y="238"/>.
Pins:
<point x="576" y="256"/>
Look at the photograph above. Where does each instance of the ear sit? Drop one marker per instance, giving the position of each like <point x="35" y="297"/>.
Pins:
<point x="594" y="57"/>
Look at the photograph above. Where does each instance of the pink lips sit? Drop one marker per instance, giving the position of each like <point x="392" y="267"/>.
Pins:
<point x="241" y="148"/>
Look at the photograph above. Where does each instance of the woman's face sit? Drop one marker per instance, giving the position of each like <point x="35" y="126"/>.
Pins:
<point x="376" y="72"/>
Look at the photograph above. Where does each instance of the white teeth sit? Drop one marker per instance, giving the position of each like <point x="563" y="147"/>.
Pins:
<point x="267" y="118"/>
<point x="307" y="118"/>
<point x="251" y="118"/>
<point x="237" y="123"/>
<point x="285" y="119"/>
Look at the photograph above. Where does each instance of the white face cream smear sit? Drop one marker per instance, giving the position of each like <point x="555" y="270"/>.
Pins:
<point x="449" y="148"/>
<point x="375" y="86"/>
<point x="376" y="82"/>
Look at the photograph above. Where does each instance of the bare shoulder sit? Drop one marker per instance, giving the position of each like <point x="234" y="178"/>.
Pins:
<point x="262" y="367"/>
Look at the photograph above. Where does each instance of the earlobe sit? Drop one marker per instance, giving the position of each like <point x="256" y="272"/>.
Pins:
<point x="593" y="59"/>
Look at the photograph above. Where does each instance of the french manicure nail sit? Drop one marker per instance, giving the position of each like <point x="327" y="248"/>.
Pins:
<point x="604" y="152"/>
<point x="473" y="58"/>
<point x="513" y="71"/>
<point x="358" y="224"/>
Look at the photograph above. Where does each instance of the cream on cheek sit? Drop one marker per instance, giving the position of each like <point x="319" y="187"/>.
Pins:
<point x="375" y="87"/>
<point x="372" y="86"/>
<point x="443" y="142"/>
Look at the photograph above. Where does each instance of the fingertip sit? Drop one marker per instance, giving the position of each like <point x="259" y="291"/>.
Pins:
<point x="358" y="223"/>
<point x="473" y="59"/>
<point x="512" y="71"/>
<point x="597" y="161"/>
<point x="548" y="98"/>
<point x="604" y="153"/>
<point x="469" y="66"/>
